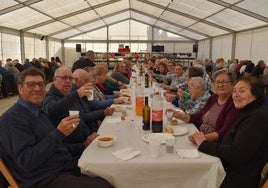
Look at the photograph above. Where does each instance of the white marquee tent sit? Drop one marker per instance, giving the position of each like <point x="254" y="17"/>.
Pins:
<point x="221" y="28"/>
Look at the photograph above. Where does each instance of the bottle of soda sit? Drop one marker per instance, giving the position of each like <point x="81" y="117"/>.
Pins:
<point x="139" y="99"/>
<point x="146" y="115"/>
<point x="157" y="114"/>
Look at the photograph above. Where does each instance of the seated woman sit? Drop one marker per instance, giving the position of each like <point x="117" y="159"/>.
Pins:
<point x="162" y="68"/>
<point x="189" y="73"/>
<point x="111" y="83"/>
<point x="244" y="149"/>
<point x="101" y="76"/>
<point x="219" y="113"/>
<point x="199" y="96"/>
<point x="120" y="72"/>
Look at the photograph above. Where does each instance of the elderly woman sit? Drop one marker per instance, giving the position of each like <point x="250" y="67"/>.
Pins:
<point x="101" y="76"/>
<point x="199" y="96"/>
<point x="162" y="68"/>
<point x="189" y="73"/>
<point x="120" y="73"/>
<point x="219" y="113"/>
<point x="244" y="149"/>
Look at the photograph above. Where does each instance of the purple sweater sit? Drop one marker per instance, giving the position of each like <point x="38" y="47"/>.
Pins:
<point x="225" y="120"/>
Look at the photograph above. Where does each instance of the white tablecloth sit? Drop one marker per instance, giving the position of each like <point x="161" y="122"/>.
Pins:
<point x="143" y="171"/>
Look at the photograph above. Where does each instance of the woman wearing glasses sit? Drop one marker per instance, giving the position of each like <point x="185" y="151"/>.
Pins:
<point x="244" y="149"/>
<point x="218" y="114"/>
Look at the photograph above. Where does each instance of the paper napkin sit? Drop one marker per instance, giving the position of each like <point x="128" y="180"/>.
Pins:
<point x="126" y="153"/>
<point x="188" y="153"/>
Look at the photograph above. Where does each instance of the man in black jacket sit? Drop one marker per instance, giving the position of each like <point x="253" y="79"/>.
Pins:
<point x="85" y="62"/>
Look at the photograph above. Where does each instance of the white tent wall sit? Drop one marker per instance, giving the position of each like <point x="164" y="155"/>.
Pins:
<point x="203" y="49"/>
<point x="55" y="49"/>
<point x="251" y="45"/>
<point x="10" y="46"/>
<point x="222" y="47"/>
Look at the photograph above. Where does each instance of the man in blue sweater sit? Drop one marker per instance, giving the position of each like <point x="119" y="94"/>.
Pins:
<point x="33" y="148"/>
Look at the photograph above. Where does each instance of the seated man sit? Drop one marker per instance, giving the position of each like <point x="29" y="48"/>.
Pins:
<point x="59" y="100"/>
<point x="89" y="114"/>
<point x="32" y="148"/>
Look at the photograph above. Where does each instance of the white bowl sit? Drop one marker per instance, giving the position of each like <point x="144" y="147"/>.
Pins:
<point x="105" y="140"/>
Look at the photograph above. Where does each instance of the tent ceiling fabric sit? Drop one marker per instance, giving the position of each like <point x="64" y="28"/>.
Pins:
<point x="190" y="19"/>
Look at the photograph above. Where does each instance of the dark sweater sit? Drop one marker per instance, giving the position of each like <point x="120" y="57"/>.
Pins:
<point x="225" y="120"/>
<point x="30" y="145"/>
<point x="82" y="63"/>
<point x="87" y="112"/>
<point x="57" y="106"/>
<point x="244" y="149"/>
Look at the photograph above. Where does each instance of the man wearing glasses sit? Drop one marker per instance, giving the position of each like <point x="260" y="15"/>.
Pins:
<point x="32" y="148"/>
<point x="60" y="100"/>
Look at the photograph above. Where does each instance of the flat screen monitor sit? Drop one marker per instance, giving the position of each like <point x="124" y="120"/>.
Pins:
<point x="158" y="48"/>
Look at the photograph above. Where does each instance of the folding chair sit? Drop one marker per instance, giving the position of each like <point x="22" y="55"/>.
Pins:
<point x="9" y="177"/>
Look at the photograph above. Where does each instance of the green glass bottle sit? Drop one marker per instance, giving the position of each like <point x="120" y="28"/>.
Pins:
<point x="146" y="115"/>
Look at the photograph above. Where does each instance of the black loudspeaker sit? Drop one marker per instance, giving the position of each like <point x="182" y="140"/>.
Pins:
<point x="195" y="48"/>
<point x="78" y="47"/>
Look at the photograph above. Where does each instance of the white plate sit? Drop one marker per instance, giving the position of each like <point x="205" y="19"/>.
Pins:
<point x="179" y="131"/>
<point x="161" y="136"/>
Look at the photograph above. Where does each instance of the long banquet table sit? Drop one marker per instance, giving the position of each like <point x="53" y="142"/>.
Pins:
<point x="143" y="171"/>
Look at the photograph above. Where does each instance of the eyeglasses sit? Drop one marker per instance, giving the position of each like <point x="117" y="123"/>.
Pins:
<point x="217" y="83"/>
<point x="65" y="77"/>
<point x="32" y="85"/>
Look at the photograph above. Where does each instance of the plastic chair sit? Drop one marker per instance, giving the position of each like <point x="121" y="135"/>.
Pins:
<point x="9" y="177"/>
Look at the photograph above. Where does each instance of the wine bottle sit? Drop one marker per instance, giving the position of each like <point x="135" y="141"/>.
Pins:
<point x="146" y="80"/>
<point x="146" y="115"/>
<point x="157" y="114"/>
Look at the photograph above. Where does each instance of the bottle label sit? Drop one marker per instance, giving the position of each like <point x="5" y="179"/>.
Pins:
<point x="157" y="115"/>
<point x="139" y="101"/>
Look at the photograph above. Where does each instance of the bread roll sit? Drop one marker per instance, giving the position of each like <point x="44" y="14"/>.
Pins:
<point x="174" y="122"/>
<point x="169" y="130"/>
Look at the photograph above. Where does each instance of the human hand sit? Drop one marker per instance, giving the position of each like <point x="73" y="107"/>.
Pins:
<point x="191" y="139"/>
<point x="120" y="100"/>
<point x="198" y="137"/>
<point x="121" y="84"/>
<point x="178" y="114"/>
<point x="180" y="93"/>
<point x="124" y="95"/>
<point x="68" y="124"/>
<point x="109" y="111"/>
<point x="170" y="97"/>
<point x="85" y="90"/>
<point x="123" y="87"/>
<point x="116" y="92"/>
<point x="90" y="138"/>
